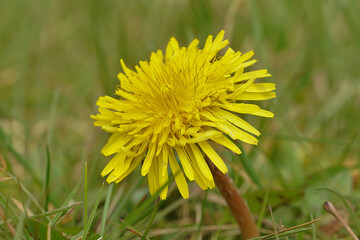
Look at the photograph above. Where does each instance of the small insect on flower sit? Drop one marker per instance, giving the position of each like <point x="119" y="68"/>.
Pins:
<point x="170" y="108"/>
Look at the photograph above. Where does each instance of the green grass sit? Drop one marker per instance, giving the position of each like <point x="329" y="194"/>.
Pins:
<point x="58" y="57"/>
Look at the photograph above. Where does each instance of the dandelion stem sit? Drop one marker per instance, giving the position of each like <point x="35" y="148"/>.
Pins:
<point x="237" y="204"/>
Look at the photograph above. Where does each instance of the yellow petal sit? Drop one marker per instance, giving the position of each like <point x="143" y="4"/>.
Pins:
<point x="208" y="43"/>
<point x="126" y="95"/>
<point x="247" y="64"/>
<point x="164" y="159"/>
<point x="112" y="177"/>
<point x="192" y="130"/>
<point x="110" y="129"/>
<point x="261" y="87"/>
<point x="148" y="159"/>
<point x="127" y="71"/>
<point x="224" y="141"/>
<point x="250" y="96"/>
<point x="199" y="175"/>
<point x="202" y="136"/>
<point x="200" y="161"/>
<point x="122" y="167"/>
<point x="153" y="178"/>
<point x="114" y="143"/>
<point x="111" y="165"/>
<point x="218" y="39"/>
<point x="163" y="177"/>
<point x="240" y="89"/>
<point x="200" y="180"/>
<point x="193" y="44"/>
<point x="263" y="113"/>
<point x="118" y="168"/>
<point x="172" y="46"/>
<point x="213" y="156"/>
<point x="238" y="121"/>
<point x="240" y="107"/>
<point x="179" y="176"/>
<point x="134" y="163"/>
<point x="127" y="151"/>
<point x="125" y="83"/>
<point x="229" y="52"/>
<point x="253" y="74"/>
<point x="164" y="135"/>
<point x="236" y="133"/>
<point x="240" y="61"/>
<point x="185" y="162"/>
<point x="246" y="109"/>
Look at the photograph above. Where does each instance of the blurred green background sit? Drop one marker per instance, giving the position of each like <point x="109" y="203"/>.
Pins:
<point x="58" y="57"/>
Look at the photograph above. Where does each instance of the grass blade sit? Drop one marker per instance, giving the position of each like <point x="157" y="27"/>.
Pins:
<point x="283" y="234"/>
<point x="24" y="162"/>
<point x="151" y="219"/>
<point x="262" y="209"/>
<point x="129" y="228"/>
<point x="92" y="215"/>
<point x="25" y="190"/>
<point x="85" y="195"/>
<point x="134" y="216"/>
<point x="274" y="224"/>
<point x="105" y="211"/>
<point x="71" y="195"/>
<point x="289" y="231"/>
<point x="58" y="210"/>
<point x="47" y="178"/>
<point x="247" y="163"/>
<point x="203" y="203"/>
<point x="313" y="227"/>
<point x="24" y="216"/>
<point x="20" y="225"/>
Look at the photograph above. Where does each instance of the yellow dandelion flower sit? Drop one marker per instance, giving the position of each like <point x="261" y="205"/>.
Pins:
<point x="170" y="108"/>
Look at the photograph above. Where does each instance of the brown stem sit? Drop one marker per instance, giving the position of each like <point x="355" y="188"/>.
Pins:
<point x="330" y="208"/>
<point x="237" y="204"/>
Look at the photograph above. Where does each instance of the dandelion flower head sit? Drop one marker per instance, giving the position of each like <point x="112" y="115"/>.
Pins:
<point x="172" y="107"/>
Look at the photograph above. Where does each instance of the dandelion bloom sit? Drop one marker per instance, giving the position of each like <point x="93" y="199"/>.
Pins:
<point x="170" y="108"/>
